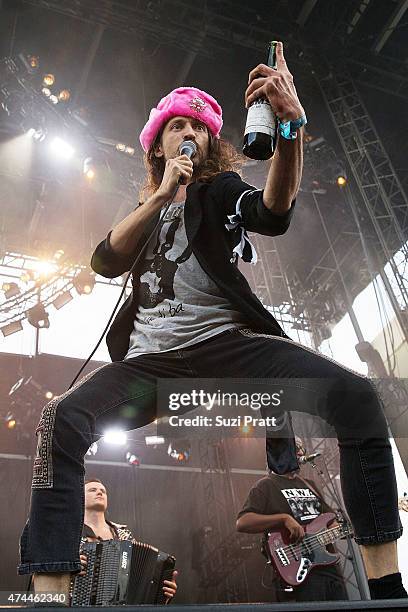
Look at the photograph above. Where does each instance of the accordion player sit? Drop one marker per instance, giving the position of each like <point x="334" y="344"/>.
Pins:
<point x="122" y="572"/>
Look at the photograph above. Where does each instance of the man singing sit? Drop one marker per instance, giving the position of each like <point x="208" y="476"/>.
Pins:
<point x="192" y="314"/>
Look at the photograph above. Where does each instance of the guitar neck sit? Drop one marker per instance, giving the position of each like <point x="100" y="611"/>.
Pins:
<point x="328" y="536"/>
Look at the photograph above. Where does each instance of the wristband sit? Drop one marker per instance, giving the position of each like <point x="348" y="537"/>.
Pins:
<point x="289" y="129"/>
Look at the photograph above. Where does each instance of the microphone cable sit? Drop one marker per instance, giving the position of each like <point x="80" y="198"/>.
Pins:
<point x="188" y="147"/>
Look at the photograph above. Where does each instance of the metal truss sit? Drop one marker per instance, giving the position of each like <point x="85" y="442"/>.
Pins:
<point x="15" y="264"/>
<point x="322" y="292"/>
<point x="177" y="23"/>
<point x="222" y="561"/>
<point x="267" y="276"/>
<point x="327" y="292"/>
<point x="173" y="22"/>
<point x="285" y="296"/>
<point x="384" y="200"/>
<point x="43" y="288"/>
<point x="371" y="166"/>
<point x="392" y="82"/>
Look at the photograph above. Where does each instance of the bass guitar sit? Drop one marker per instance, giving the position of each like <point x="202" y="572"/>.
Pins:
<point x="294" y="562"/>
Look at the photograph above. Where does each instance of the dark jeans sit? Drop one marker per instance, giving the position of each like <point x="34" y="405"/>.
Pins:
<point x="124" y="394"/>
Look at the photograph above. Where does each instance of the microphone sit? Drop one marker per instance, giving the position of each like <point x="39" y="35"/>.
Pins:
<point x="188" y="147"/>
<point x="308" y="458"/>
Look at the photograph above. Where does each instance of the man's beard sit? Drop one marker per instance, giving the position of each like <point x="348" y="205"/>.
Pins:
<point x="198" y="168"/>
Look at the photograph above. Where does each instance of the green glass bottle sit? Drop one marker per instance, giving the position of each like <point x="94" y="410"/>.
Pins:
<point x="261" y="124"/>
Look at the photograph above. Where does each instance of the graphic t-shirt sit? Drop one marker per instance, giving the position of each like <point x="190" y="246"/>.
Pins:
<point x="281" y="495"/>
<point x="179" y="304"/>
<point x="300" y="498"/>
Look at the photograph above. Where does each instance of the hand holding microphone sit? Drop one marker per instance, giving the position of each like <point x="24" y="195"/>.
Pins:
<point x="189" y="148"/>
<point x="178" y="170"/>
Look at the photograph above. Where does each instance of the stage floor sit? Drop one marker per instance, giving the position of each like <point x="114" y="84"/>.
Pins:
<point x="395" y="605"/>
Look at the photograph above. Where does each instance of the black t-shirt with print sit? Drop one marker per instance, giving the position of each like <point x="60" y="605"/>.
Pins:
<point x="276" y="494"/>
<point x="298" y="497"/>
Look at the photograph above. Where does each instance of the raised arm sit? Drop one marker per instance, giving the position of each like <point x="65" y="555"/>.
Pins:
<point x="285" y="172"/>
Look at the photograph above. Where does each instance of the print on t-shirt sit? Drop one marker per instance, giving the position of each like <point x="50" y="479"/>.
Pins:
<point x="158" y="272"/>
<point x="303" y="503"/>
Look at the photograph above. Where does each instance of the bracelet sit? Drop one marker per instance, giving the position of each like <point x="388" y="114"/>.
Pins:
<point x="289" y="129"/>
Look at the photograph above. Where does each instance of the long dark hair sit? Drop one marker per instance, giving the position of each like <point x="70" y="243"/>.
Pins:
<point x="222" y="157"/>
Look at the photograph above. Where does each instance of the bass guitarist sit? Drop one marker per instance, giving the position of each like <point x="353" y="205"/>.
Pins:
<point x="288" y="502"/>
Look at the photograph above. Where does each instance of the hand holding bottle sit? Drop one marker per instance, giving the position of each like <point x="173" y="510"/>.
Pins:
<point x="276" y="86"/>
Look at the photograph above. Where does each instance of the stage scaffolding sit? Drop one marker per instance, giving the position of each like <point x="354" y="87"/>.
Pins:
<point x="222" y="571"/>
<point x="378" y="186"/>
<point x="36" y="287"/>
<point x="310" y="304"/>
<point x="225" y="31"/>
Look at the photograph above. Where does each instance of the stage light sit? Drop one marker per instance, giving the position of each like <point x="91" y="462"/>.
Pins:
<point x="154" y="440"/>
<point x="62" y="299"/>
<point x="115" y="436"/>
<point x="11" y="328"/>
<point x="123" y="148"/>
<point x="53" y="99"/>
<point x="341" y="180"/>
<point x="179" y="450"/>
<point x="93" y="449"/>
<point x="37" y="135"/>
<point x="64" y="95"/>
<point x="49" y="395"/>
<point x="246" y="429"/>
<point x="89" y="168"/>
<point x="59" y="254"/>
<point x="132" y="459"/>
<point x="46" y="92"/>
<point x="10" y="290"/>
<point x="10" y="421"/>
<point x="38" y="317"/>
<point x="34" y="61"/>
<point x="27" y="276"/>
<point x="25" y="62"/>
<point x="48" y="79"/>
<point x="84" y="282"/>
<point x="43" y="269"/>
<point x="62" y="148"/>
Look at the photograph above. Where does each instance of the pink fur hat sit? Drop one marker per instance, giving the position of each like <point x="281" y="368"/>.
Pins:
<point x="186" y="102"/>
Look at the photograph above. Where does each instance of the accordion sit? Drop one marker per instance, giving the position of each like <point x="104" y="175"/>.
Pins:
<point x="122" y="572"/>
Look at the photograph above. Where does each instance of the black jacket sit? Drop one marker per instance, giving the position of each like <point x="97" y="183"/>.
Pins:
<point x="209" y="208"/>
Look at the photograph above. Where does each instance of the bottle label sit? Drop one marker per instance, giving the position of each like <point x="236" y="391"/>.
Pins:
<point x="261" y="118"/>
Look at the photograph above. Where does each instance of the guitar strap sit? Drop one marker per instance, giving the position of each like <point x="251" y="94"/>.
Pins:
<point x="315" y="491"/>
